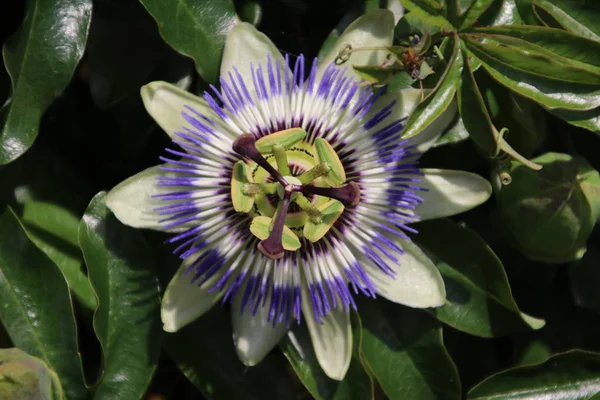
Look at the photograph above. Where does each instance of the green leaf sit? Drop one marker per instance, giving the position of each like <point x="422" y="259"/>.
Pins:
<point x="404" y="351"/>
<point x="27" y="377"/>
<point x="40" y="59"/>
<point x="36" y="307"/>
<point x="589" y="120"/>
<point x="503" y="12"/>
<point x="207" y="357"/>
<point x="430" y="11"/>
<point x="195" y="29"/>
<point x="357" y="384"/>
<point x="127" y="320"/>
<point x="477" y="120"/>
<point x="440" y="98"/>
<point x="550" y="93"/>
<point x="561" y="46"/>
<point x="576" y="16"/>
<point x="455" y="133"/>
<point x="50" y="201"/>
<point x="478" y="296"/>
<point x="53" y="229"/>
<point x="474" y="12"/>
<point x="549" y="215"/>
<point x="531" y="60"/>
<point x="571" y="375"/>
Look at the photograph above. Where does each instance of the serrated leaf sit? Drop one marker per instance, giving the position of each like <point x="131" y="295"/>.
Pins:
<point x="36" y="306"/>
<point x="404" y="351"/>
<point x="127" y="320"/>
<point x="195" y="29"/>
<point x="440" y="98"/>
<point x="572" y="375"/>
<point x="40" y="58"/>
<point x="478" y="296"/>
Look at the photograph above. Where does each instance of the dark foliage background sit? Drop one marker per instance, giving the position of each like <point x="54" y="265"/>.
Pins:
<point x="74" y="125"/>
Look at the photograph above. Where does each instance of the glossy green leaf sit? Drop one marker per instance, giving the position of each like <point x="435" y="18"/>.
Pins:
<point x="589" y="120"/>
<point x="474" y="12"/>
<point x="357" y="383"/>
<point x="540" y="64"/>
<point x="53" y="229"/>
<point x="478" y="296"/>
<point x="404" y="351"/>
<point x="561" y="46"/>
<point x="127" y="320"/>
<point x="195" y="29"/>
<point x="525" y="120"/>
<point x="36" y="306"/>
<point x="478" y="122"/>
<point x="455" y="133"/>
<point x="27" y="377"/>
<point x="576" y="16"/>
<point x="205" y="353"/>
<point x="570" y="376"/>
<point x="431" y="11"/>
<point x="440" y="98"/>
<point x="502" y="12"/>
<point x="40" y="59"/>
<point x="50" y="201"/>
<point x="548" y="92"/>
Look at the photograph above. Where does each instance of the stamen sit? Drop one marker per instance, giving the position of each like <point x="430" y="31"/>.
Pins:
<point x="314" y="173"/>
<point x="272" y="246"/>
<point x="309" y="208"/>
<point x="348" y="194"/>
<point x="281" y="159"/>
<point x="255" y="188"/>
<point x="245" y="146"/>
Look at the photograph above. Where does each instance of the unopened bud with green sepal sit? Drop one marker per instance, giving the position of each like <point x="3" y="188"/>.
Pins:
<point x="549" y="214"/>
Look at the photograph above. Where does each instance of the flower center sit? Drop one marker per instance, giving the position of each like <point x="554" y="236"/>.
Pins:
<point x="319" y="191"/>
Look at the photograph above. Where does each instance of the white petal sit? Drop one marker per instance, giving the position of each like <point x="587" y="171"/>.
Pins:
<point x="396" y="7"/>
<point x="165" y="102"/>
<point x="253" y="335"/>
<point x="185" y="301"/>
<point x="418" y="282"/>
<point x="133" y="203"/>
<point x="332" y="340"/>
<point x="374" y="29"/>
<point x="451" y="192"/>
<point x="245" y="45"/>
